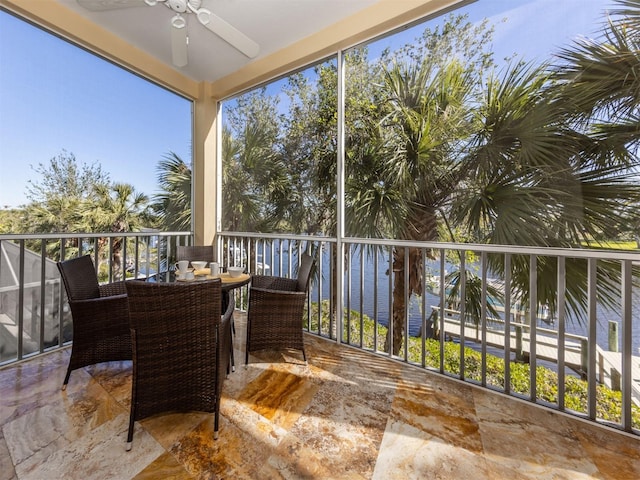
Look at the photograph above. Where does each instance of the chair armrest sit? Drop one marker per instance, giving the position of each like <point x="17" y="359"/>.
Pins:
<point x="284" y="303"/>
<point x="274" y="283"/>
<point x="282" y="293"/>
<point x="108" y="305"/>
<point x="275" y="312"/>
<point x="111" y="289"/>
<point x="102" y="316"/>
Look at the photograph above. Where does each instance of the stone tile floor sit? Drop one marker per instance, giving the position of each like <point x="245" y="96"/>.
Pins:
<point x="346" y="414"/>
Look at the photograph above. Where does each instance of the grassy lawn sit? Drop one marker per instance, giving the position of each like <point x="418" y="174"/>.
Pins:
<point x="613" y="245"/>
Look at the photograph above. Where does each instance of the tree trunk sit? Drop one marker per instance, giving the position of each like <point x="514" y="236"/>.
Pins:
<point x="399" y="311"/>
<point x="415" y="286"/>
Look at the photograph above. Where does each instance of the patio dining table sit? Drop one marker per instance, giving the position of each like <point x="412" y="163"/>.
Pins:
<point x="228" y="282"/>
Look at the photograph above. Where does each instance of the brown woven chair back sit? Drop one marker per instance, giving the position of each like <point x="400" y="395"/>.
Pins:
<point x="203" y="253"/>
<point x="100" y="316"/>
<point x="304" y="272"/>
<point x="79" y="278"/>
<point x="180" y="348"/>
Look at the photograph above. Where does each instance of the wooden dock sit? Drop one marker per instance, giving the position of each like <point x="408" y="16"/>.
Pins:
<point x="610" y="367"/>
<point x="609" y="364"/>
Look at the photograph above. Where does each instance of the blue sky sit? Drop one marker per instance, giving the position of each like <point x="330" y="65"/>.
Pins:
<point x="62" y="98"/>
<point x="537" y="28"/>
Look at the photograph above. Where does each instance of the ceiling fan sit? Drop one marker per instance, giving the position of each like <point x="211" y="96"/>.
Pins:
<point x="179" y="37"/>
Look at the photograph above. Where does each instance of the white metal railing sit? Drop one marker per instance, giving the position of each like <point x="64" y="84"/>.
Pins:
<point x="34" y="316"/>
<point x="35" y="319"/>
<point x="578" y="356"/>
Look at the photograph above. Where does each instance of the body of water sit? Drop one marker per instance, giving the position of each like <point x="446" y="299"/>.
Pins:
<point x="375" y="300"/>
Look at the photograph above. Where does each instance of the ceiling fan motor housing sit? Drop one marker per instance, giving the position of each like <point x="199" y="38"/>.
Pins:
<point x="181" y="6"/>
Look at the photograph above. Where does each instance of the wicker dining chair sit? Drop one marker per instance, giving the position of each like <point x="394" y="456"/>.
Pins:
<point x="205" y="253"/>
<point x="100" y="316"/>
<point x="202" y="253"/>
<point x="276" y="306"/>
<point x="181" y="347"/>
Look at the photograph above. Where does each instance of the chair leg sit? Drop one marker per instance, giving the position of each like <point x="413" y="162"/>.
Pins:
<point x="233" y="360"/>
<point x="130" y="434"/>
<point x="231" y="367"/>
<point x="247" y="342"/>
<point x="66" y="379"/>
<point x="216" y="421"/>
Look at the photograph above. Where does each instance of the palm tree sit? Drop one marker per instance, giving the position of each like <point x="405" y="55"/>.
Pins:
<point x="241" y="209"/>
<point x="511" y="162"/>
<point x="426" y="119"/>
<point x="600" y="88"/>
<point x="173" y="204"/>
<point x="555" y="163"/>
<point x="117" y="208"/>
<point x="406" y="165"/>
<point x="258" y="193"/>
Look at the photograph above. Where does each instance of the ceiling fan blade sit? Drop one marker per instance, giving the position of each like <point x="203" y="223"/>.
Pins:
<point x="179" y="42"/>
<point x="229" y="34"/>
<point x="104" y="5"/>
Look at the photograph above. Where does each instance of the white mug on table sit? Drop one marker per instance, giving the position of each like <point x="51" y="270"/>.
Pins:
<point x="183" y="266"/>
<point x="215" y="268"/>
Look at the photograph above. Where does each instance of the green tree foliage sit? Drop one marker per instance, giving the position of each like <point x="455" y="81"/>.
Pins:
<point x="10" y="220"/>
<point x="254" y="160"/>
<point x="56" y="197"/>
<point x="436" y="134"/>
<point x="241" y="208"/>
<point x="72" y="197"/>
<point x="65" y="176"/>
<point x="173" y="205"/>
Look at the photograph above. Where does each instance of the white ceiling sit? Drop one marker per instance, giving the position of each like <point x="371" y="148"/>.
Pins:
<point x="273" y="24"/>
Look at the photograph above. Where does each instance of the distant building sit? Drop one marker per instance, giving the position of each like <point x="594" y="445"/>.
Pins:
<point x="36" y="304"/>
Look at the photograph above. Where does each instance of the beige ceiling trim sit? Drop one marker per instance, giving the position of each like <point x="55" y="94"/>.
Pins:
<point x="378" y="19"/>
<point x="68" y="24"/>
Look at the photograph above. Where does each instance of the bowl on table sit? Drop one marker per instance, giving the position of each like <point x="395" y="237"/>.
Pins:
<point x="235" y="271"/>
<point x="198" y="265"/>
<point x="186" y="275"/>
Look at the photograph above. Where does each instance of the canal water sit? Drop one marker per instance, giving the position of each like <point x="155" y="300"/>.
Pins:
<point x="376" y="292"/>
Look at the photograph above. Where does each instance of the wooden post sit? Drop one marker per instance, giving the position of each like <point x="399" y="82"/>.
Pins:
<point x="519" y="353"/>
<point x="615" y="380"/>
<point x="601" y="368"/>
<point x="613" y="336"/>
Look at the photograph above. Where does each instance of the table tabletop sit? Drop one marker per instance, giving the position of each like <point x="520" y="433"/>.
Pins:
<point x="228" y="282"/>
